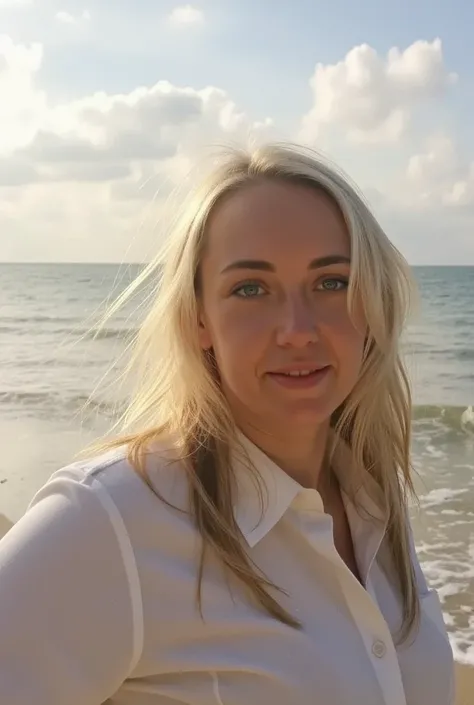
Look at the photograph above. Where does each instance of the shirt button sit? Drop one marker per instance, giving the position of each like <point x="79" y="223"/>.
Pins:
<point x="379" y="649"/>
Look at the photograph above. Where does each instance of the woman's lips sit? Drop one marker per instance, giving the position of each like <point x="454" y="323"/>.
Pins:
<point x="302" y="381"/>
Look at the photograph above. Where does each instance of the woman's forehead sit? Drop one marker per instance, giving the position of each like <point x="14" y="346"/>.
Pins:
<point x="277" y="218"/>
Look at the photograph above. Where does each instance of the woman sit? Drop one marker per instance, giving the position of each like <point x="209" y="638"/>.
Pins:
<point x="246" y="538"/>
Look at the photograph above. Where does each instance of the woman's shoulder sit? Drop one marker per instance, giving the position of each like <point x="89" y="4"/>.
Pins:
<point x="104" y="500"/>
<point x="72" y="568"/>
<point x="112" y="478"/>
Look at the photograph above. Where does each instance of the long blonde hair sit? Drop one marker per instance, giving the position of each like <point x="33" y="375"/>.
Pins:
<point x="176" y="393"/>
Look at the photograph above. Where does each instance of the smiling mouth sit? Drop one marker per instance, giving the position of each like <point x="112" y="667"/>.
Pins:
<point x="300" y="379"/>
<point x="299" y="373"/>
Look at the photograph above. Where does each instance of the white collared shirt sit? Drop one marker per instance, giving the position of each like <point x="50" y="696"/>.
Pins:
<point x="98" y="601"/>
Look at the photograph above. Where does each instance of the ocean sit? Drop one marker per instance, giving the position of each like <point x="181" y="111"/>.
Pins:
<point x="50" y="365"/>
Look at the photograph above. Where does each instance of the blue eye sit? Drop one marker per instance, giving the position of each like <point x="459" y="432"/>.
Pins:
<point x="333" y="284"/>
<point x="248" y="291"/>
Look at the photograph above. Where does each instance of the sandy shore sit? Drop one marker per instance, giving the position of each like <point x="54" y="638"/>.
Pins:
<point x="5" y="524"/>
<point x="464" y="674"/>
<point x="464" y="685"/>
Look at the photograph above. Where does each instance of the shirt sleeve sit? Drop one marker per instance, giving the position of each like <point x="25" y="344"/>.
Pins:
<point x="66" y="614"/>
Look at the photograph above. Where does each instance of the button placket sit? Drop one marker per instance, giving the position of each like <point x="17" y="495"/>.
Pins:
<point x="377" y="639"/>
<point x="362" y="604"/>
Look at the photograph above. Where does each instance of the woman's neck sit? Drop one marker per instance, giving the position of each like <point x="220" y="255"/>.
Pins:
<point x="300" y="452"/>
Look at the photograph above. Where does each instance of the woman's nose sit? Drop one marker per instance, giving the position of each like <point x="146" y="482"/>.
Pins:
<point x="297" y="326"/>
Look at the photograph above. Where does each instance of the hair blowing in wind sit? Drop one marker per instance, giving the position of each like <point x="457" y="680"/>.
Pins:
<point x="176" y="393"/>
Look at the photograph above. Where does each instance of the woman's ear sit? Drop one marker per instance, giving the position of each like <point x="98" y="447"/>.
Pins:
<point x="204" y="335"/>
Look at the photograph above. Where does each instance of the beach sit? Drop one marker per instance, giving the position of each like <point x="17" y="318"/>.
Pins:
<point x="52" y="364"/>
<point x="464" y="685"/>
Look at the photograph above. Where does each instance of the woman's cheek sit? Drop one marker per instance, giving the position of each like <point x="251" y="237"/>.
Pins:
<point x="246" y="321"/>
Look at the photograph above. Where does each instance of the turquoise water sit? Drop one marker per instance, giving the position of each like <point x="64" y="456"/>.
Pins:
<point x="49" y="366"/>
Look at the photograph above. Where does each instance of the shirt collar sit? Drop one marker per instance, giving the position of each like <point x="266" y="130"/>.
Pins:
<point x="265" y="492"/>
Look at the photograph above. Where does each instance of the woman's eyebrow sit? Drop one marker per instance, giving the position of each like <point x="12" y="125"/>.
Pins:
<point x="264" y="265"/>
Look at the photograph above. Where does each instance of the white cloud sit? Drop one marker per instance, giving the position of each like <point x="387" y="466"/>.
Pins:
<point x="370" y="98"/>
<point x="63" y="222"/>
<point x="77" y="169"/>
<point x="67" y="18"/>
<point x="77" y="176"/>
<point x="22" y="104"/>
<point x="186" y="15"/>
<point x="102" y="136"/>
<point x="440" y="175"/>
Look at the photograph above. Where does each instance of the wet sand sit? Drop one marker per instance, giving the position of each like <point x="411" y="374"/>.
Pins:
<point x="464" y="674"/>
<point x="464" y="685"/>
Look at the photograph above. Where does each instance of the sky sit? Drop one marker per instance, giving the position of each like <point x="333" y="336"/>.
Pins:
<point x="109" y="109"/>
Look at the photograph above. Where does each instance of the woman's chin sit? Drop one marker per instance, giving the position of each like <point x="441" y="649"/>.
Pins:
<point x="304" y="411"/>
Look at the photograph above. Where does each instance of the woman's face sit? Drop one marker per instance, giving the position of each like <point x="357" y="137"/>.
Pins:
<point x="273" y="306"/>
